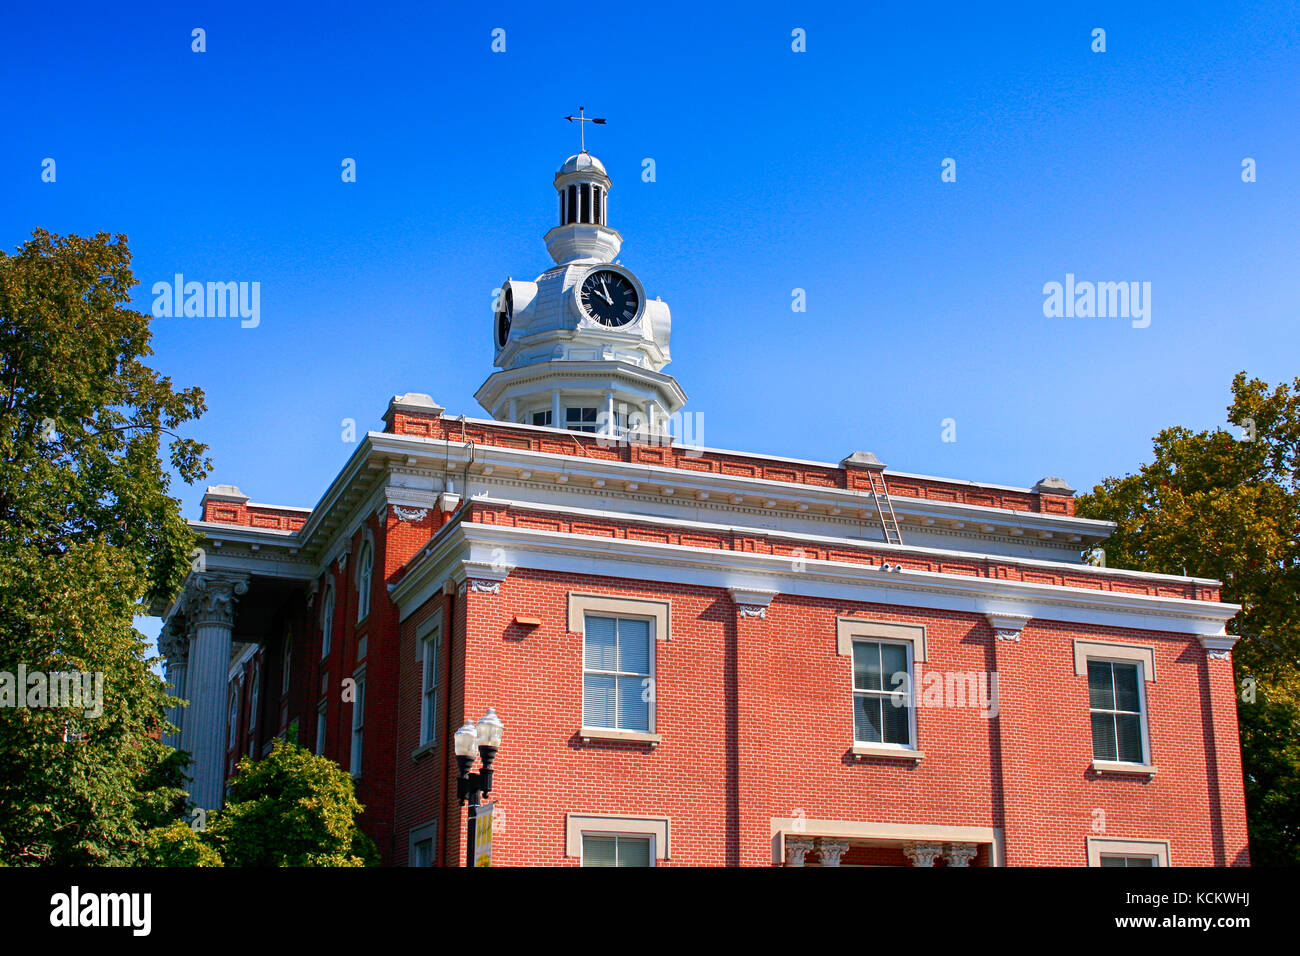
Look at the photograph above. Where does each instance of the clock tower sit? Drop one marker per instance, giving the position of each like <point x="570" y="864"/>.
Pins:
<point x="581" y="346"/>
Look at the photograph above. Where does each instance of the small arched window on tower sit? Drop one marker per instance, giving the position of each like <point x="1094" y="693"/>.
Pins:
<point x="599" y="213"/>
<point x="572" y="212"/>
<point x="586" y="202"/>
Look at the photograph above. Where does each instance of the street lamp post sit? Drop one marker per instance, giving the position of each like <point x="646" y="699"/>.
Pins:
<point x="472" y="787"/>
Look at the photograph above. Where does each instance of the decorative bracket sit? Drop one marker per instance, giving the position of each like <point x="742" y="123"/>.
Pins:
<point x="1007" y="627"/>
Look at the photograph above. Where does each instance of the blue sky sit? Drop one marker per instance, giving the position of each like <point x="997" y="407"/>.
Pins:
<point x="776" y="170"/>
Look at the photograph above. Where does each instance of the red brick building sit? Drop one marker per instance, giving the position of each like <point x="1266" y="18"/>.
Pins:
<point x="701" y="657"/>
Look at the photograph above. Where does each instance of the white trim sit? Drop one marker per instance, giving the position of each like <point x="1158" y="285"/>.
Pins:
<point x="427" y="831"/>
<point x="659" y="829"/>
<point x="1096" y="847"/>
<point x="884" y="834"/>
<point x="840" y="581"/>
<point x="1085" y="650"/>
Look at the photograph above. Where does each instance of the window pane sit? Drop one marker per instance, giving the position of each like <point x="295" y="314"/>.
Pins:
<point x="1139" y="861"/>
<point x="598" y="851"/>
<point x="897" y="723"/>
<point x="1103" y="737"/>
<point x="893" y="659"/>
<point x="424" y="853"/>
<point x="634" y="646"/>
<point x="866" y="666"/>
<point x="1126" y="687"/>
<point x="598" y="701"/>
<point x="633" y="712"/>
<point x="1100" y="688"/>
<point x="633" y="851"/>
<point x="601" y="644"/>
<point x="867" y="723"/>
<point x="1128" y="730"/>
<point x="1113" y="861"/>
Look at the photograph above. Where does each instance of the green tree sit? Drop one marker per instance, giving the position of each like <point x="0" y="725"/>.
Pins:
<point x="292" y="808"/>
<point x="88" y="531"/>
<point x="176" y="844"/>
<point x="1218" y="505"/>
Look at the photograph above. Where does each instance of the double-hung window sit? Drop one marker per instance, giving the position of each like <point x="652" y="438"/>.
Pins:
<point x="320" y="728"/>
<point x="1115" y="702"/>
<point x="365" y="572"/>
<point x="618" y="673"/>
<point x="429" y="685"/>
<point x="358" y="723"/>
<point x="601" y="850"/>
<point x="882" y="693"/>
<point x="1114" y="859"/>
<point x="326" y="621"/>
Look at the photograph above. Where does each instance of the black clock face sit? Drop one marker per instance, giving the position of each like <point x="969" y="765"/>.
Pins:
<point x="504" y="315"/>
<point x="609" y="297"/>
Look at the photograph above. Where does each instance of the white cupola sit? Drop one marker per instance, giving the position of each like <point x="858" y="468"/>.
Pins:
<point x="582" y="346"/>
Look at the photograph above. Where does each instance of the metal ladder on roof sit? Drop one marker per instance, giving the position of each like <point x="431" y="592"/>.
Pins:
<point x="885" y="508"/>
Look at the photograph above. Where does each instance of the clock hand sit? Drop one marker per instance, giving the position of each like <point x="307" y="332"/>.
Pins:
<point x="604" y="285"/>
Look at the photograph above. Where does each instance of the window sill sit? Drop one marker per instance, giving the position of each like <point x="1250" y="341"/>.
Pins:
<point x="1123" y="769"/>
<point x="423" y="749"/>
<point x="892" y="753"/>
<point x="619" y="736"/>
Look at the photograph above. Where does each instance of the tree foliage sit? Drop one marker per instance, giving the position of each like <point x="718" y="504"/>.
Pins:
<point x="1218" y="505"/>
<point x="292" y="808"/>
<point x="88" y="531"/>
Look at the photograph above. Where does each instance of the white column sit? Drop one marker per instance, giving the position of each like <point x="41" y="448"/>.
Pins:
<point x="556" y="420"/>
<point x="922" y="854"/>
<point x="832" y="850"/>
<point x="174" y="645"/>
<point x="960" y="854"/>
<point x="609" y="412"/>
<point x="796" y="849"/>
<point x="208" y="678"/>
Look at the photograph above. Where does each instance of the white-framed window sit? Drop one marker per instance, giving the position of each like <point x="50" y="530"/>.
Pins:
<point x="1118" y="859"/>
<point x="430" y="645"/>
<point x="618" y="684"/>
<point x="542" y="418"/>
<point x="254" y="694"/>
<point x="580" y="419"/>
<point x="326" y="621"/>
<point x="1105" y="851"/>
<point x="358" y="722"/>
<point x="232" y="716"/>
<point x="424" y="847"/>
<point x="1116" y="707"/>
<point x="883" y="713"/>
<point x="365" y="572"/>
<point x="621" y="849"/>
<point x="320" y="728"/>
<point x="286" y="665"/>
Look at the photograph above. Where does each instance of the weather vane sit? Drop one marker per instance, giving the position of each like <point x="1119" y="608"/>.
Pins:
<point x="581" y="119"/>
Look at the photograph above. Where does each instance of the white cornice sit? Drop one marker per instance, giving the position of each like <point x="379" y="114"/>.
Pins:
<point x="647" y="561"/>
<point x="835" y="541"/>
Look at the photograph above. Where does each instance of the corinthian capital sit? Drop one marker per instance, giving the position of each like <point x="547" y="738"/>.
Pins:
<point x="174" y="640"/>
<point x="212" y="600"/>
